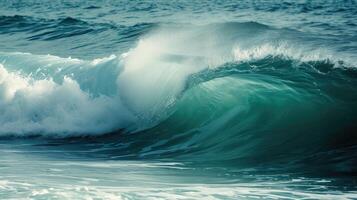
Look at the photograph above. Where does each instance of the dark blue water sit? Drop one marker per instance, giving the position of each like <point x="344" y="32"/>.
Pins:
<point x="178" y="100"/>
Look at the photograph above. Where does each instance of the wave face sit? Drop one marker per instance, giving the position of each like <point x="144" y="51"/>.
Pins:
<point x="227" y="99"/>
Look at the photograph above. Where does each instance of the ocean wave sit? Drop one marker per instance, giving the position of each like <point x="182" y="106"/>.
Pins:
<point x="147" y="82"/>
<point x="219" y="95"/>
<point x="43" y="29"/>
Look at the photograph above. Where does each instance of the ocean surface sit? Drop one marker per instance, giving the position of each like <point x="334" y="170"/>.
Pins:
<point x="179" y="99"/>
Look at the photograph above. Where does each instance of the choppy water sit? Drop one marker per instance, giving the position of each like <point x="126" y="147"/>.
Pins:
<point x="178" y="100"/>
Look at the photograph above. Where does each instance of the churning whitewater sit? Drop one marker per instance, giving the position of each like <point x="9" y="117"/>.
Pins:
<point x="178" y="100"/>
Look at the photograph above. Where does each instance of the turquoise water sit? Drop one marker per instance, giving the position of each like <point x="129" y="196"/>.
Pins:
<point x="178" y="100"/>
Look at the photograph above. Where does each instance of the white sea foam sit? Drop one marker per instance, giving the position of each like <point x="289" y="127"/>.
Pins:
<point x="30" y="106"/>
<point x="288" y="51"/>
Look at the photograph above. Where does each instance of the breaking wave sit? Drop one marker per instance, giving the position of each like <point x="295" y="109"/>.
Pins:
<point x="218" y="92"/>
